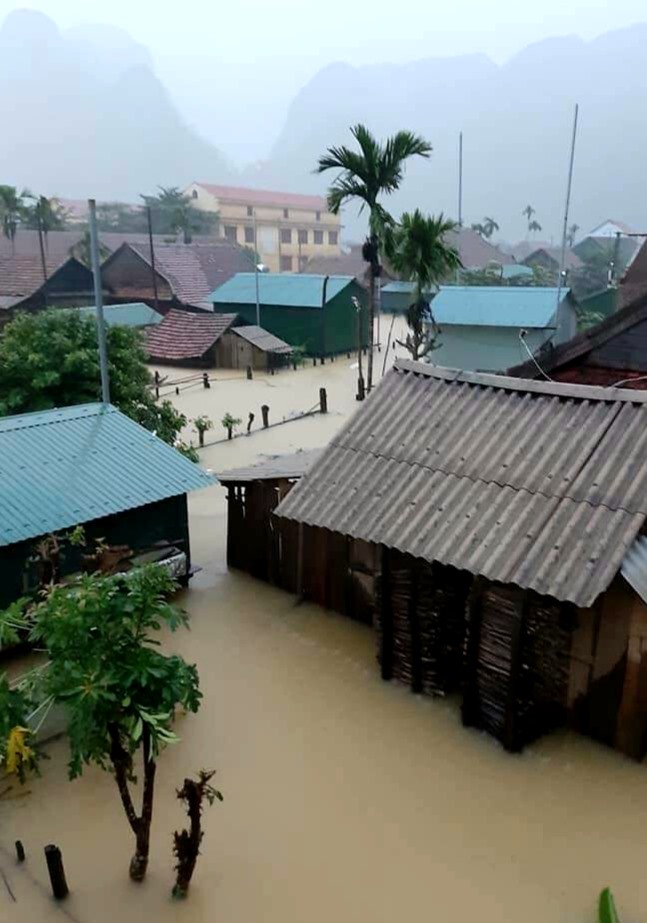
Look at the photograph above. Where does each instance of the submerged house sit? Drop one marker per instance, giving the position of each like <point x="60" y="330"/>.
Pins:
<point x="613" y="353"/>
<point x="93" y="466"/>
<point x="314" y="312"/>
<point x="501" y="523"/>
<point x="484" y="328"/>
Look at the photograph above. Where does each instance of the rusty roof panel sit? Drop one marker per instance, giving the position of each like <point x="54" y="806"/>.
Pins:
<point x="545" y="488"/>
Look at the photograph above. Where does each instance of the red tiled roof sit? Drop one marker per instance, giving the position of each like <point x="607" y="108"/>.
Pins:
<point x="475" y="252"/>
<point x="185" y="335"/>
<point x="195" y="270"/>
<point x="58" y="244"/>
<point x="266" y="197"/>
<point x="23" y="275"/>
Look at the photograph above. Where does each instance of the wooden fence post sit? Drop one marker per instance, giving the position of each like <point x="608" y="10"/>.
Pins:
<point x="386" y="652"/>
<point x="20" y="851"/>
<point x="265" y="411"/>
<point x="54" y="860"/>
<point x="414" y="629"/>
<point x="323" y="400"/>
<point x="249" y="422"/>
<point x="249" y="373"/>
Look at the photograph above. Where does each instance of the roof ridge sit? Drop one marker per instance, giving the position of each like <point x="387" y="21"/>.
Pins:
<point x="73" y="411"/>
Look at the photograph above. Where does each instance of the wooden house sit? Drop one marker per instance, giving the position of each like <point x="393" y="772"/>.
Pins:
<point x="610" y="354"/>
<point x="317" y="313"/>
<point x="90" y="465"/>
<point x="503" y="524"/>
<point x="26" y="286"/>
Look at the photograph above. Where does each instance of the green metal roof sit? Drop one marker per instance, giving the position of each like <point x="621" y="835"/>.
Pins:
<point x="496" y="306"/>
<point x="135" y="314"/>
<point x="279" y="289"/>
<point x="59" y="468"/>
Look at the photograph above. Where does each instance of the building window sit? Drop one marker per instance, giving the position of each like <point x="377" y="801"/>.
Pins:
<point x="249" y="235"/>
<point x="230" y="232"/>
<point x="250" y="211"/>
<point x="318" y="235"/>
<point x="317" y="216"/>
<point x="333" y="238"/>
<point x="303" y="237"/>
<point x="195" y="193"/>
<point x="286" y="236"/>
<point x="286" y="264"/>
<point x="286" y="213"/>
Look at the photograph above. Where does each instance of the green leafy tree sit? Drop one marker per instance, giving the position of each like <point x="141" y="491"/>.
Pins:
<point x="230" y="423"/>
<point x="11" y="211"/>
<point x="82" y="249"/>
<point x="17" y="757"/>
<point x="48" y="214"/>
<point x="607" y="912"/>
<point x="50" y="359"/>
<point x="202" y="425"/>
<point x="417" y="250"/>
<point x="186" y="843"/>
<point x="376" y="169"/>
<point x="120" y="692"/>
<point x="172" y="212"/>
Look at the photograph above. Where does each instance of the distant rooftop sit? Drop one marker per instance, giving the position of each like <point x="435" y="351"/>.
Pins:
<point x="135" y="314"/>
<point x="496" y="306"/>
<point x="248" y="196"/>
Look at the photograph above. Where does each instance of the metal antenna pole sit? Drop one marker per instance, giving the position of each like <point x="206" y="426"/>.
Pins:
<point x="562" y="259"/>
<point x="258" y="300"/>
<point x="98" y="300"/>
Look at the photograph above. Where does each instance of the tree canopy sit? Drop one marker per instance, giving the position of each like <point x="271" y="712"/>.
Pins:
<point x="50" y="359"/>
<point x="172" y="212"/>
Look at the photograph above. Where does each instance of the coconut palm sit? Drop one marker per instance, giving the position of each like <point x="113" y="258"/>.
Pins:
<point x="478" y="227"/>
<point x="489" y="227"/>
<point x="11" y="208"/>
<point x="376" y="169"/>
<point x="418" y="251"/>
<point x="44" y="214"/>
<point x="528" y="212"/>
<point x="572" y="232"/>
<point x="534" y="226"/>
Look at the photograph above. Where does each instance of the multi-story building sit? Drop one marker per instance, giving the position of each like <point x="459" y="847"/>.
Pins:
<point x="284" y="228"/>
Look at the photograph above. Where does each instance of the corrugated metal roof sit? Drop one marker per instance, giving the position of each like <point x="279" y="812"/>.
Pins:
<point x="135" y="314"/>
<point x="63" y="467"/>
<point x="278" y="466"/>
<point x="279" y="289"/>
<point x="262" y="339"/>
<point x="512" y="270"/>
<point x="496" y="306"/>
<point x="538" y="484"/>
<point x="634" y="566"/>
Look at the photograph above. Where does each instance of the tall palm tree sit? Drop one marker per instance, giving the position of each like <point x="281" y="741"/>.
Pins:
<point x="376" y="169"/>
<point x="11" y="207"/>
<point x="417" y="249"/>
<point x="534" y="226"/>
<point x="489" y="227"/>
<point x="528" y="212"/>
<point x="572" y="232"/>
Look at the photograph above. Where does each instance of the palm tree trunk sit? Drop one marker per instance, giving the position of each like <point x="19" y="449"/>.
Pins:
<point x="374" y="281"/>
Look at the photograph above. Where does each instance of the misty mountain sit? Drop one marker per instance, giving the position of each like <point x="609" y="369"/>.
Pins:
<point x="82" y="113"/>
<point x="517" y="122"/>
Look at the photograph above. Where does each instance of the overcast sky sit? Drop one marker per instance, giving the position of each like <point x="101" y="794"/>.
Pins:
<point x="342" y="29"/>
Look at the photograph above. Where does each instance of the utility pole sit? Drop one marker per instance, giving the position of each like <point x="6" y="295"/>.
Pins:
<point x="566" y="208"/>
<point x="152" y="252"/>
<point x="43" y="261"/>
<point x="460" y="199"/>
<point x="256" y="255"/>
<point x="98" y="301"/>
<point x="360" y="377"/>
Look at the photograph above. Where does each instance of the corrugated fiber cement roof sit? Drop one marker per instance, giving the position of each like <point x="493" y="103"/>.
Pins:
<point x="533" y="483"/>
<point x="496" y="306"/>
<point x="279" y="289"/>
<point x="133" y="314"/>
<point x="59" y="468"/>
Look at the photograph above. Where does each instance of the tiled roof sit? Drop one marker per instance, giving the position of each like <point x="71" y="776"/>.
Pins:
<point x="195" y="270"/>
<point x="186" y="335"/>
<point x="59" y="244"/>
<point x="537" y="484"/>
<point x="247" y="196"/>
<point x="59" y="468"/>
<point x="279" y="289"/>
<point x="571" y="259"/>
<point x="475" y="252"/>
<point x="21" y="276"/>
<point x="262" y="339"/>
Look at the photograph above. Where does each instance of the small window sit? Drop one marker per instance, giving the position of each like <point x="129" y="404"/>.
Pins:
<point x="333" y="238"/>
<point x="303" y="237"/>
<point x="249" y="235"/>
<point x="317" y="216"/>
<point x="195" y="194"/>
<point x="230" y="232"/>
<point x="286" y="236"/>
<point x="286" y="264"/>
<point x="286" y="213"/>
<point x="318" y="236"/>
<point x="250" y="211"/>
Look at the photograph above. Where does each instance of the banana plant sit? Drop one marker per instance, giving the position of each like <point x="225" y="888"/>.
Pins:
<point x="606" y="908"/>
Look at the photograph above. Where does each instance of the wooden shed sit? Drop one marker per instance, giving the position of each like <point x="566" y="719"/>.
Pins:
<point x="506" y="521"/>
<point x="90" y="465"/>
<point x="250" y="346"/>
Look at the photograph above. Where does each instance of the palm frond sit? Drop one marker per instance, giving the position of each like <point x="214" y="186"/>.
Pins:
<point x="345" y="188"/>
<point x="397" y="150"/>
<point x="342" y="158"/>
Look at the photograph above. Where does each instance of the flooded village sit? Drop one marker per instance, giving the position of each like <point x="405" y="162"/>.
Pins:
<point x="323" y="530"/>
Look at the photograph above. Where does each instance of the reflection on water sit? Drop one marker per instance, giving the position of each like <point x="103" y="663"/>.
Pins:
<point x="345" y="799"/>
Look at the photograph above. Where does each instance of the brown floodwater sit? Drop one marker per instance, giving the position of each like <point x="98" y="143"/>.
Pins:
<point x="345" y="798"/>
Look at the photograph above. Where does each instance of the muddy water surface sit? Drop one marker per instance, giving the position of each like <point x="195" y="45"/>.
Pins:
<point x="345" y="799"/>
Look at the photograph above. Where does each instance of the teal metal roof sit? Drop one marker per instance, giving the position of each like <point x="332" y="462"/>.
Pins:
<point x="59" y="468"/>
<point x="403" y="288"/>
<point x="496" y="306"/>
<point x="136" y="314"/>
<point x="513" y="270"/>
<point x="279" y="289"/>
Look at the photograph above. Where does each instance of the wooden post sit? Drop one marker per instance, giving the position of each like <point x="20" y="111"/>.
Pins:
<point x="205" y="380"/>
<point x="386" y="652"/>
<point x="631" y="723"/>
<point x="20" y="851"/>
<point x="249" y="422"/>
<point x="323" y="400"/>
<point x="470" y="706"/>
<point x="414" y="629"/>
<point x="300" y="561"/>
<point x="201" y="437"/>
<point x="265" y="411"/>
<point x="512" y="734"/>
<point x="177" y="390"/>
<point x="54" y="860"/>
<point x="249" y="373"/>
